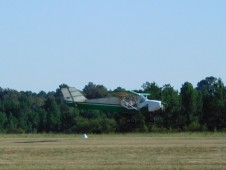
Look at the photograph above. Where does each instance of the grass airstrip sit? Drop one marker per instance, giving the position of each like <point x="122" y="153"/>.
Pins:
<point x="115" y="151"/>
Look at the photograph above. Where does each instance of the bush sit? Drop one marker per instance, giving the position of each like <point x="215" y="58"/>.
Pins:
<point x="155" y="128"/>
<point x="195" y="126"/>
<point x="16" y="131"/>
<point x="100" y="125"/>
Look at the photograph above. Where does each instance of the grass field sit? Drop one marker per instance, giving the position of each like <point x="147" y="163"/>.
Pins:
<point x="117" y="151"/>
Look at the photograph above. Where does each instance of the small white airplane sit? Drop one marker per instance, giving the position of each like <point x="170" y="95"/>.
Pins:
<point x="120" y="101"/>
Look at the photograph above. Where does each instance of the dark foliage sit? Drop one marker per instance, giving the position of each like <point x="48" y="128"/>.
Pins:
<point x="192" y="109"/>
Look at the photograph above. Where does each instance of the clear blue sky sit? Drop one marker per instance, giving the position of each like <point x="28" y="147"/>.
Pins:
<point x="114" y="43"/>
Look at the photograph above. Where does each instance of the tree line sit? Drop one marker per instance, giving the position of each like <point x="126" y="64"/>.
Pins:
<point x="201" y="108"/>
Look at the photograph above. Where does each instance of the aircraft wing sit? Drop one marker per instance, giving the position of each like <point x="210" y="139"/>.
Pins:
<point x="121" y="94"/>
<point x="129" y="93"/>
<point x="142" y="94"/>
<point x="129" y="99"/>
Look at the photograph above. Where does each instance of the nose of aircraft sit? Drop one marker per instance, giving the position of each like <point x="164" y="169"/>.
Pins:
<point x="155" y="105"/>
<point x="161" y="106"/>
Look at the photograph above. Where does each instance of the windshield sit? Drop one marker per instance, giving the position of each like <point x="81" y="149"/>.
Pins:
<point x="142" y="99"/>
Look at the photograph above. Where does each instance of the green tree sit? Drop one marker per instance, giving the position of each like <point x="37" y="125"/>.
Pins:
<point x="213" y="97"/>
<point x="10" y="102"/>
<point x="3" y="121"/>
<point x="131" y="122"/>
<point x="153" y="89"/>
<point x="119" y="89"/>
<point x="68" y="119"/>
<point x="53" y="115"/>
<point x="42" y="125"/>
<point x="172" y="115"/>
<point x="99" y="125"/>
<point x="93" y="91"/>
<point x="189" y="97"/>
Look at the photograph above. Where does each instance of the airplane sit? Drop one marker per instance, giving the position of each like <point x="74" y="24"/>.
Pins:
<point x="128" y="101"/>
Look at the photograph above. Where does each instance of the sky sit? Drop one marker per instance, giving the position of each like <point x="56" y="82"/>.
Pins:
<point x="125" y="43"/>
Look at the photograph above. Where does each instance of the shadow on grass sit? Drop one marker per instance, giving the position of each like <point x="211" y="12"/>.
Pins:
<point x="37" y="141"/>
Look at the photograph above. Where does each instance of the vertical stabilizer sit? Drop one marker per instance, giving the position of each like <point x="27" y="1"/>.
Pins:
<point x="73" y="95"/>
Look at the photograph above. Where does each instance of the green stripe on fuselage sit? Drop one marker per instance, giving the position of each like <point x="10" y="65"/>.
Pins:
<point x="103" y="107"/>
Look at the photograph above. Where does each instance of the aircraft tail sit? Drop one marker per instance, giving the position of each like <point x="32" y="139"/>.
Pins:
<point x="73" y="95"/>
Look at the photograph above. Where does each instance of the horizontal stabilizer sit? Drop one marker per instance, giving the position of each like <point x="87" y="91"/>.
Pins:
<point x="72" y="94"/>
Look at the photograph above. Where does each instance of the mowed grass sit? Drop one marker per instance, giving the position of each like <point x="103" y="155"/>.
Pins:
<point x="128" y="151"/>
